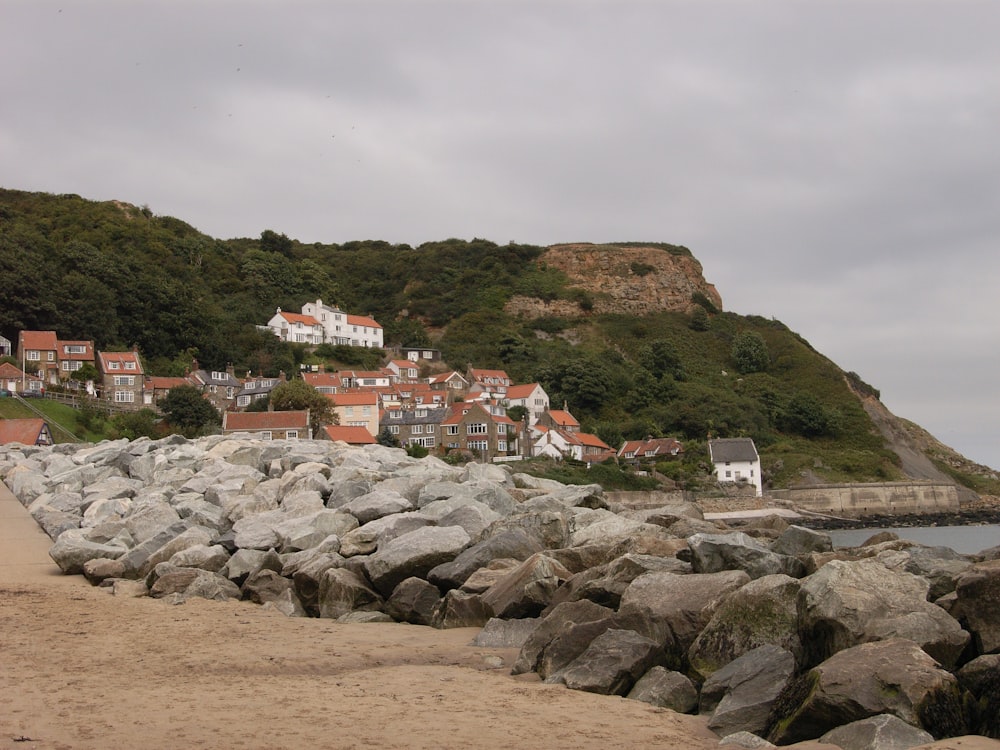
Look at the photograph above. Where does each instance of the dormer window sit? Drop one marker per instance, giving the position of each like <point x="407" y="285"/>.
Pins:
<point x="113" y="366"/>
<point x="130" y="365"/>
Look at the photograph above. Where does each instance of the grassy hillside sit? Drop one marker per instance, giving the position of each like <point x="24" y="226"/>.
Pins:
<point x="121" y="275"/>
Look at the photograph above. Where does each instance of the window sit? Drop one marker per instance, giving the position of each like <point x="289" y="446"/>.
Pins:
<point x="124" y="397"/>
<point x="421" y="413"/>
<point x="113" y="366"/>
<point x="51" y="356"/>
<point x="430" y="428"/>
<point x="357" y="424"/>
<point x="394" y="429"/>
<point x="265" y="435"/>
<point x="74" y="349"/>
<point x="479" y="445"/>
<point x="33" y="355"/>
<point x="477" y="428"/>
<point x="417" y="429"/>
<point x="124" y="379"/>
<point x="502" y="445"/>
<point x="366" y="411"/>
<point x="292" y="434"/>
<point x="130" y="365"/>
<point x="348" y="411"/>
<point x="729" y="474"/>
<point x="452" y="429"/>
<point x="71" y="365"/>
<point x="230" y="391"/>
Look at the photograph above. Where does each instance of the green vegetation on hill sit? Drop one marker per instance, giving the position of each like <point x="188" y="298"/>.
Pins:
<point x="121" y="275"/>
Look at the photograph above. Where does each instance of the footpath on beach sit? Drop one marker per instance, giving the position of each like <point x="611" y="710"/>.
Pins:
<point x="24" y="547"/>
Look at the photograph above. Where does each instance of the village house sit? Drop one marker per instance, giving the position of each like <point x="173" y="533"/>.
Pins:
<point x="403" y="370"/>
<point x="25" y="432"/>
<point x="16" y="380"/>
<point x="6" y="348"/>
<point x="650" y="449"/>
<point x="365" y="379"/>
<point x="254" y="389"/>
<point x="295" y="328"/>
<point x="347" y="434"/>
<point x="531" y="396"/>
<point x="38" y="352"/>
<point x="323" y="381"/>
<point x="269" y="425"/>
<point x="481" y="427"/>
<point x="121" y="378"/>
<point x="488" y="383"/>
<point x="416" y="354"/>
<point x="558" y="419"/>
<point x="449" y="381"/>
<point x="155" y="387"/>
<point x="560" y="444"/>
<point x="220" y="387"/>
<point x="736" y="462"/>
<point x="341" y="328"/>
<point x="420" y="426"/>
<point x="357" y="410"/>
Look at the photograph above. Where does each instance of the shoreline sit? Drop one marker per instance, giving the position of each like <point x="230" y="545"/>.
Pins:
<point x="967" y="517"/>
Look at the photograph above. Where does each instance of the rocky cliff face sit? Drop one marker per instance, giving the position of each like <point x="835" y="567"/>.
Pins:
<point x="634" y="280"/>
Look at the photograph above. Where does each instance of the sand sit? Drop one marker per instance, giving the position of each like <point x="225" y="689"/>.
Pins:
<point x="80" y="668"/>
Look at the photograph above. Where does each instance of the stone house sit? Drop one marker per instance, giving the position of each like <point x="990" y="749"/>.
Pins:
<point x="359" y="409"/>
<point x="121" y="378"/>
<point x="269" y="425"/>
<point x="419" y="426"/>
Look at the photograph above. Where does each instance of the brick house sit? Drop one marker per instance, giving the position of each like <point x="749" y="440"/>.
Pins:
<point x="481" y="427"/>
<point x="39" y="353"/>
<point x="15" y="380"/>
<point x="221" y="387"/>
<point x="25" y="432"/>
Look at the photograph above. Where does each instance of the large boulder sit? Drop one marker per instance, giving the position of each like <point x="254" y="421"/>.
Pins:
<point x="554" y="623"/>
<point x="664" y="688"/>
<point x="740" y="696"/>
<point x="885" y="677"/>
<point x="981" y="677"/>
<point x="673" y="609"/>
<point x="376" y="504"/>
<point x="72" y="549"/>
<point x="606" y="583"/>
<point x="798" y="540"/>
<point x="844" y="604"/>
<point x="414" y="601"/>
<point x="514" y="544"/>
<point x="882" y="732"/>
<point x="414" y="554"/>
<point x="611" y="664"/>
<point x="342" y="591"/>
<point x="764" y="611"/>
<point x="978" y="590"/>
<point x="711" y="553"/>
<point x="527" y="589"/>
<point x="267" y="587"/>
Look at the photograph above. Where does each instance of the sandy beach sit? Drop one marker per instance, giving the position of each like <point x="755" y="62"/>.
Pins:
<point x="80" y="668"/>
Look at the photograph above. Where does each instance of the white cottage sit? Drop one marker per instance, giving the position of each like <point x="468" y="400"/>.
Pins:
<point x="736" y="462"/>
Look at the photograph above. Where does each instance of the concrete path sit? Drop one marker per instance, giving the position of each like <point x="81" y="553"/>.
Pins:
<point x="24" y="547"/>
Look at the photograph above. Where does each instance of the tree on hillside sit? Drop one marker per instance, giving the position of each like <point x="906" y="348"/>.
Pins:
<point x="750" y="353"/>
<point x="298" y="395"/>
<point x="188" y="411"/>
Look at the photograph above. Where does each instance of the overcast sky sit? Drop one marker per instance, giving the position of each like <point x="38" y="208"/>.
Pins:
<point x="834" y="165"/>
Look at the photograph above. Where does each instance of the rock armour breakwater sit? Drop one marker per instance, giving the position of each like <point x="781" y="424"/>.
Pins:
<point x="655" y="604"/>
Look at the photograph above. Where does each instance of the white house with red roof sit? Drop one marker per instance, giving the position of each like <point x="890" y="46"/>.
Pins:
<point x="121" y="378"/>
<point x="449" y="381"/>
<point x="296" y="328"/>
<point x="340" y="327"/>
<point x="531" y="396"/>
<point x="15" y="380"/>
<point x="581" y="446"/>
<point x="559" y="419"/>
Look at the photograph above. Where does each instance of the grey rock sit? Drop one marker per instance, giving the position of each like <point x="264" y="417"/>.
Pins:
<point x="978" y="590"/>
<point x="342" y="591"/>
<point x="550" y="626"/>
<point x="740" y="696"/>
<point x="460" y="609"/>
<point x="414" y="554"/>
<point x="611" y="664"/>
<point x="711" y="553"/>
<point x="268" y="587"/>
<point x="514" y="544"/>
<point x="527" y="589"/>
<point x="882" y="732"/>
<point x="666" y="689"/>
<point x="798" y="540"/>
<point x="414" y="601"/>
<point x="497" y="633"/>
<point x="72" y="550"/>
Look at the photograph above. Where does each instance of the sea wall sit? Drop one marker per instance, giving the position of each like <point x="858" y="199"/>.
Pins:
<point x="875" y="498"/>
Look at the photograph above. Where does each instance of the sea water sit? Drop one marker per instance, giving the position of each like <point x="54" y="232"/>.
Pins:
<point x="965" y="540"/>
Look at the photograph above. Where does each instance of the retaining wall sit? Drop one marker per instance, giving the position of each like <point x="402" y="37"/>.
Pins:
<point x="884" y="498"/>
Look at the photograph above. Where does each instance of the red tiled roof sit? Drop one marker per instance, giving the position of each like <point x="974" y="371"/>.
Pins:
<point x="160" y="383"/>
<point x="234" y="421"/>
<point x="363" y="398"/>
<point x="7" y="371"/>
<point x="563" y="418"/>
<point x="87" y="355"/>
<point x="521" y="391"/>
<point x="306" y="320"/>
<point x="44" y="341"/>
<point x="23" y="431"/>
<point x="121" y="358"/>
<point x="592" y="441"/>
<point x="362" y="320"/>
<point x="350" y="435"/>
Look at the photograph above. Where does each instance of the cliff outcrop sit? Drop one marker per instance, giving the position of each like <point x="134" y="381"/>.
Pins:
<point x="636" y="280"/>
